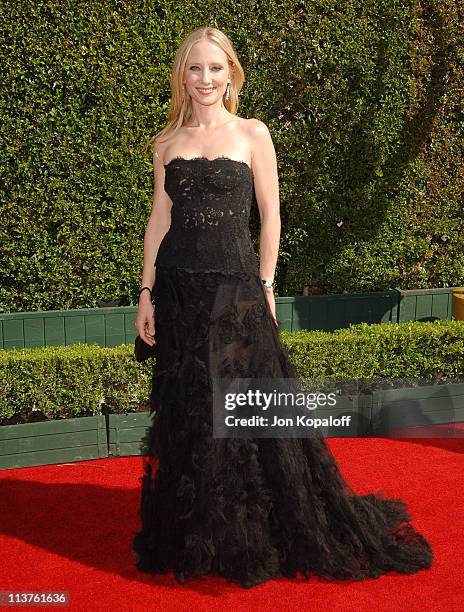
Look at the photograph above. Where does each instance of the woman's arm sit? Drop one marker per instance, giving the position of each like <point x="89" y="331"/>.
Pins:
<point x="266" y="182"/>
<point x="157" y="226"/>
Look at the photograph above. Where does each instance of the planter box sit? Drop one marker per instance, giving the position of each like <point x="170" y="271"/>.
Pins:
<point x="112" y="326"/>
<point x="59" y="441"/>
<point x="334" y="311"/>
<point x="384" y="412"/>
<point x="421" y="407"/>
<point x="358" y="407"/>
<point x="107" y="327"/>
<point x="425" y="304"/>
<point x="125" y="433"/>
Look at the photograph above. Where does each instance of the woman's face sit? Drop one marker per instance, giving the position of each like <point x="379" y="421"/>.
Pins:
<point x="206" y="72"/>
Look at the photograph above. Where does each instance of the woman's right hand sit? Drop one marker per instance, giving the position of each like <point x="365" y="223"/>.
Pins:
<point x="145" y="319"/>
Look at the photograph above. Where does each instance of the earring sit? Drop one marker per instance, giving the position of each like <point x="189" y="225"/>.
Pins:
<point x="228" y="91"/>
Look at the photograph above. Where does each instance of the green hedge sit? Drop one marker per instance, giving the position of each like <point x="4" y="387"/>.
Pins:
<point x="77" y="380"/>
<point x="70" y="381"/>
<point x="363" y="99"/>
<point x="416" y="349"/>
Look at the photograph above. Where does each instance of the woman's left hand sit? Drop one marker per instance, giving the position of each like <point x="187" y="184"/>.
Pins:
<point x="269" y="291"/>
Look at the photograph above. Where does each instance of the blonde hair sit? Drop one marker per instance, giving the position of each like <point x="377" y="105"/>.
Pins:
<point x="180" y="109"/>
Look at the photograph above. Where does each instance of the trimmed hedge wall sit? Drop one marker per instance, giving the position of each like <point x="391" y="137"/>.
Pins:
<point x="76" y="380"/>
<point x="363" y="99"/>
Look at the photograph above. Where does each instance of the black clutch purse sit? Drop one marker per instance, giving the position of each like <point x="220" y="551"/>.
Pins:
<point x="142" y="350"/>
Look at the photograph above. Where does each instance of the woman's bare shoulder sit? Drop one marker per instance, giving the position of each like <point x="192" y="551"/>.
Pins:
<point x="259" y="137"/>
<point x="160" y="147"/>
<point x="254" y="131"/>
<point x="256" y="126"/>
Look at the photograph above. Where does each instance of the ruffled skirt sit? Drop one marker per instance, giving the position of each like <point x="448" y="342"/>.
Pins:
<point x="246" y="509"/>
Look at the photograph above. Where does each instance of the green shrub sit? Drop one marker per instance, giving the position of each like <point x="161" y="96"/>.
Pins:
<point x="77" y="380"/>
<point x="363" y="99"/>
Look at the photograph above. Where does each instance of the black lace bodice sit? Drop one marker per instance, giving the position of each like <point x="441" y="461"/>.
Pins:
<point x="209" y="216"/>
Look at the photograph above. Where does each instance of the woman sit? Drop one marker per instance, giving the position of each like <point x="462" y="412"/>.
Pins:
<point x="245" y="509"/>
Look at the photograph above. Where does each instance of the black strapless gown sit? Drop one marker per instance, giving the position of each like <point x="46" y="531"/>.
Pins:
<point x="245" y="509"/>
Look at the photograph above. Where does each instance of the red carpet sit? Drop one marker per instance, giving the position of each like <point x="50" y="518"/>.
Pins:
<point x="69" y="527"/>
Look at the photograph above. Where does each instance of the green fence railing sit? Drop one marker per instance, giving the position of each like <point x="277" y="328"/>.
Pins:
<point x="112" y="326"/>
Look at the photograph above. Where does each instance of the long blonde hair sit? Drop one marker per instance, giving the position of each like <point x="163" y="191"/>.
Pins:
<point x="180" y="109"/>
